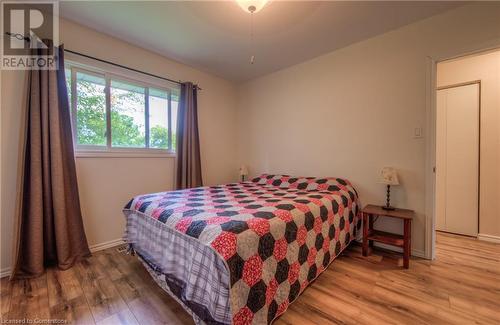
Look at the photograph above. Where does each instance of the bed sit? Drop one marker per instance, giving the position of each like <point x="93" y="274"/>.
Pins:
<point x="240" y="253"/>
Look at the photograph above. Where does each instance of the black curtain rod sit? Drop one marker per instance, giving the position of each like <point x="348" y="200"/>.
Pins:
<point x="20" y="37"/>
<point x="124" y="67"/>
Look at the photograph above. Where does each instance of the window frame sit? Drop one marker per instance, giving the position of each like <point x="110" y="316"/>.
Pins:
<point x="109" y="150"/>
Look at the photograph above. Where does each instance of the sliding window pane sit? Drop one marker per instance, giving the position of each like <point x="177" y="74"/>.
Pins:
<point x="67" y="74"/>
<point x="90" y="110"/>
<point x="175" y="109"/>
<point x="128" y="126"/>
<point x="158" y="119"/>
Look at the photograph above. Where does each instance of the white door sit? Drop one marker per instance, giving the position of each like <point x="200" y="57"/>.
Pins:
<point x="457" y="159"/>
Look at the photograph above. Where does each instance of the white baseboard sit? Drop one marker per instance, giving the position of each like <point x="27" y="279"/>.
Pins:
<point x="5" y="272"/>
<point x="490" y="238"/>
<point x="419" y="253"/>
<point x="93" y="248"/>
<point x="106" y="245"/>
<point x="414" y="252"/>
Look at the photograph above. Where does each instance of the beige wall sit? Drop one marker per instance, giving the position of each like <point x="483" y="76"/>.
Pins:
<point x="107" y="183"/>
<point x="12" y="100"/>
<point x="353" y="111"/>
<point x="485" y="67"/>
<point x="347" y="113"/>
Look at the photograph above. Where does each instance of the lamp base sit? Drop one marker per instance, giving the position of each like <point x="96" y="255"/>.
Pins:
<point x="388" y="208"/>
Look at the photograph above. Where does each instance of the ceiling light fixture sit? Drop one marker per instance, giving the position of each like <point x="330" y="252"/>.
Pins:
<point x="252" y="6"/>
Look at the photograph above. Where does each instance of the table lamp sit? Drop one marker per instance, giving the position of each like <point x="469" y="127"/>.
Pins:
<point x="243" y="172"/>
<point x="388" y="176"/>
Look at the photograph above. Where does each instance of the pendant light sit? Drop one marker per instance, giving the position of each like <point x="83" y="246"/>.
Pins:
<point x="251" y="6"/>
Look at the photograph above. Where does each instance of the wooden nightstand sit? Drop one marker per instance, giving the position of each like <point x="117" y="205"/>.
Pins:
<point x="371" y="235"/>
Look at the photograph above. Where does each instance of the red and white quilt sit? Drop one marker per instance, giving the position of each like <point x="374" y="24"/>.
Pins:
<point x="241" y="253"/>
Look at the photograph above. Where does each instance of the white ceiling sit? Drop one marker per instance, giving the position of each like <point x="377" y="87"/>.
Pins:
<point x="215" y="36"/>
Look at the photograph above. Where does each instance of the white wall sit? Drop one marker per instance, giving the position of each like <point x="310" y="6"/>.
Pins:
<point x="353" y="111"/>
<point x="106" y="184"/>
<point x="486" y="68"/>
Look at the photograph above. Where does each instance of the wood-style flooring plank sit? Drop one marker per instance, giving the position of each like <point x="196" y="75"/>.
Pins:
<point x="62" y="286"/>
<point x="5" y="295"/>
<point x="124" y="317"/>
<point x="75" y="311"/>
<point x="103" y="298"/>
<point x="462" y="286"/>
<point x="156" y="307"/>
<point x="29" y="299"/>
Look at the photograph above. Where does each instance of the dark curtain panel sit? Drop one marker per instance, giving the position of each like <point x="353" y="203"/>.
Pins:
<point x="188" y="140"/>
<point x="50" y="226"/>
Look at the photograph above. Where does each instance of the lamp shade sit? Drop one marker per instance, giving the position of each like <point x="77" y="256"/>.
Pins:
<point x="243" y="170"/>
<point x="389" y="176"/>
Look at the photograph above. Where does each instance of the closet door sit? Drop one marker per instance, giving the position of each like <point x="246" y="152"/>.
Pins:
<point x="457" y="159"/>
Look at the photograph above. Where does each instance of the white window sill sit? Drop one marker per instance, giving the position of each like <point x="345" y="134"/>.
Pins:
<point x="123" y="154"/>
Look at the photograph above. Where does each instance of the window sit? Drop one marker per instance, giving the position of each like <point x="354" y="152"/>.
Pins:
<point x="113" y="113"/>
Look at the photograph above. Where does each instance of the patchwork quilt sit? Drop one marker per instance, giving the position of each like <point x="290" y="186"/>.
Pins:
<point x="241" y="253"/>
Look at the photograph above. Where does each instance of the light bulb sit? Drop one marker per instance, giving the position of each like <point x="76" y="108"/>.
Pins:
<point x="252" y="6"/>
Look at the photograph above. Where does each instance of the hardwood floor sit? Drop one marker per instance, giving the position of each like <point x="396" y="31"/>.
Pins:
<point x="462" y="286"/>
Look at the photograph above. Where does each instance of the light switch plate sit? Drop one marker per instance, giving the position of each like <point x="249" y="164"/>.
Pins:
<point x="417" y="133"/>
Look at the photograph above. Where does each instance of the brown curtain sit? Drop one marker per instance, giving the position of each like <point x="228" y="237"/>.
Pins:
<point x="188" y="140"/>
<point x="50" y="226"/>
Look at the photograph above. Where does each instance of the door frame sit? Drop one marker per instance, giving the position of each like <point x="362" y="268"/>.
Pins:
<point x="430" y="144"/>
<point x="462" y="84"/>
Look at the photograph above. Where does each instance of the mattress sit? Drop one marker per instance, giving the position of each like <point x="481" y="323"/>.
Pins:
<point x="240" y="253"/>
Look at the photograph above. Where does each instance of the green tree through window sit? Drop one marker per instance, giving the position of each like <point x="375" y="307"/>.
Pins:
<point x="91" y="125"/>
